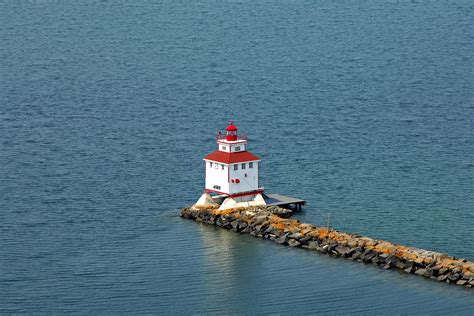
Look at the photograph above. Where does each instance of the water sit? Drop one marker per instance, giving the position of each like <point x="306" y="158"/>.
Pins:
<point x="364" y="109"/>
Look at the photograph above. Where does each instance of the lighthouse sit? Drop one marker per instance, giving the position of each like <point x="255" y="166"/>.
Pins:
<point x="231" y="173"/>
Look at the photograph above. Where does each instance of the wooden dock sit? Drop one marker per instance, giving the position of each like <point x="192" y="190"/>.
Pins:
<point x="283" y="201"/>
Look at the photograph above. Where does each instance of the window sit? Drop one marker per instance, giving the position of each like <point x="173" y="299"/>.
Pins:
<point x="210" y="164"/>
<point x="237" y="148"/>
<point x="224" y="148"/>
<point x="222" y="167"/>
<point x="236" y="167"/>
<point x="217" y="187"/>
<point x="243" y="166"/>
<point x="250" y="165"/>
<point x="216" y="166"/>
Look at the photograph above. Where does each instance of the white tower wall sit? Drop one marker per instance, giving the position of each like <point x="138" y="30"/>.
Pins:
<point x="217" y="176"/>
<point x="232" y="147"/>
<point x="248" y="178"/>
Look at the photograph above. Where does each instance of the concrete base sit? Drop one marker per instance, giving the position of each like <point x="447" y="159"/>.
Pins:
<point x="205" y="200"/>
<point x="244" y="201"/>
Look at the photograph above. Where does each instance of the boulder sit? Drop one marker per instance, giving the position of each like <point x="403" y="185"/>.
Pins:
<point x="400" y="265"/>
<point x="376" y="260"/>
<point x="293" y="242"/>
<point x="282" y="212"/>
<point x="332" y="246"/>
<point x="343" y="251"/>
<point x="313" y="245"/>
<point x="257" y="220"/>
<point x="409" y="270"/>
<point x="454" y="277"/>
<point x="247" y="230"/>
<point x="296" y="236"/>
<point x="367" y="256"/>
<point x="391" y="260"/>
<point x="442" y="278"/>
<point x="443" y="271"/>
<point x="305" y="239"/>
<point x="242" y="225"/>
<point x="235" y="225"/>
<point x="423" y="272"/>
<point x="461" y="282"/>
<point x="282" y="240"/>
<point x="323" y="249"/>
<point x="268" y="230"/>
<point x="384" y="255"/>
<point x="409" y="264"/>
<point x="352" y="243"/>
<point x="457" y="270"/>
<point x="356" y="255"/>
<point x="468" y="275"/>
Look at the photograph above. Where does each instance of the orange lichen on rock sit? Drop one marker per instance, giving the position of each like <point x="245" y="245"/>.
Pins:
<point x="385" y="247"/>
<point x="224" y="212"/>
<point x="305" y="231"/>
<point x="338" y="236"/>
<point x="320" y="233"/>
<point x="206" y="207"/>
<point x="280" y="226"/>
<point x="307" y="226"/>
<point x="276" y="219"/>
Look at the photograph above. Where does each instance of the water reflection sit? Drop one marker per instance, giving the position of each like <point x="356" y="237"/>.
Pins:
<point x="236" y="261"/>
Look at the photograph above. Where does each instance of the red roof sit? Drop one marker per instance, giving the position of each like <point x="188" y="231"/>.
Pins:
<point x="231" y="127"/>
<point x="228" y="158"/>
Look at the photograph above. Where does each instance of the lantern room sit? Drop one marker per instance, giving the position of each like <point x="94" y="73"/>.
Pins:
<point x="231" y="132"/>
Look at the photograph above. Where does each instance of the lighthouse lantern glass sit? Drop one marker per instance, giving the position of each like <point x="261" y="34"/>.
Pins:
<point x="231" y="135"/>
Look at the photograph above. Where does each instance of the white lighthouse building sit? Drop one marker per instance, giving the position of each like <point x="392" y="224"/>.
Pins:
<point x="231" y="173"/>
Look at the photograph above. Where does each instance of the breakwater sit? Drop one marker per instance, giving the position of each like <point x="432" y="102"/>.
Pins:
<point x="274" y="223"/>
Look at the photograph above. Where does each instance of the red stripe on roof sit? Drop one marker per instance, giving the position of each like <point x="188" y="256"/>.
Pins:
<point x="228" y="158"/>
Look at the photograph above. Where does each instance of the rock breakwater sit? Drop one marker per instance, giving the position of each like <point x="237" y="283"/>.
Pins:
<point x="273" y="223"/>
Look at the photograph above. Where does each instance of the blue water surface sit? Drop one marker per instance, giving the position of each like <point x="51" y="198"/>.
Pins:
<point x="363" y="108"/>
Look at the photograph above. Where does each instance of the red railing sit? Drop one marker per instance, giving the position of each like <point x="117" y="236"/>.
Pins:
<point x="221" y="136"/>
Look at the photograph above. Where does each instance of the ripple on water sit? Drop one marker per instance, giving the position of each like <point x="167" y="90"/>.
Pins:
<point x="362" y="109"/>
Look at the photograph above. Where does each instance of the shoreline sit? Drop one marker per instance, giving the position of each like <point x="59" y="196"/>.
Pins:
<point x="273" y="223"/>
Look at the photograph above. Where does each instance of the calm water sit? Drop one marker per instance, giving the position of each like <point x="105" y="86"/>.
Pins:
<point x="364" y="109"/>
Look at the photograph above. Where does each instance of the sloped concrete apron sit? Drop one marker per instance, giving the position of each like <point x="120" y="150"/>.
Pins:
<point x="272" y="223"/>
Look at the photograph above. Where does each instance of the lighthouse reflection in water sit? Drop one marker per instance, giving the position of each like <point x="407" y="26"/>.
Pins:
<point x="231" y="272"/>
